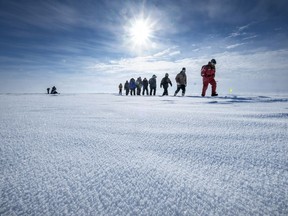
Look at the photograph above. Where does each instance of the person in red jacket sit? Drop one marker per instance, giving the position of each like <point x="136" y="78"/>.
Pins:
<point x="208" y="73"/>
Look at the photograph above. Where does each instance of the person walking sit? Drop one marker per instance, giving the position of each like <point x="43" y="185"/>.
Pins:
<point x="145" y="86"/>
<point x="120" y="88"/>
<point x="126" y="87"/>
<point x="48" y="90"/>
<point x="153" y="84"/>
<point x="132" y="86"/>
<point x="208" y="73"/>
<point x="165" y="83"/>
<point x="181" y="80"/>
<point x="139" y="85"/>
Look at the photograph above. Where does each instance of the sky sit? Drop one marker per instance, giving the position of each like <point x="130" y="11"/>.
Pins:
<point x="92" y="46"/>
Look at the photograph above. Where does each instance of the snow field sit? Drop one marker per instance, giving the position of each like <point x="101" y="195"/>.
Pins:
<point x="101" y="154"/>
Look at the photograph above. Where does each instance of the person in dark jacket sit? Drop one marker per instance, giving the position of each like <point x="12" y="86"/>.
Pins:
<point x="145" y="86"/>
<point x="153" y="84"/>
<point x="120" y="88"/>
<point x="132" y="86"/>
<point x="48" y="90"/>
<point x="165" y="83"/>
<point x="126" y="87"/>
<point x="53" y="90"/>
<point x="181" y="80"/>
<point x="139" y="85"/>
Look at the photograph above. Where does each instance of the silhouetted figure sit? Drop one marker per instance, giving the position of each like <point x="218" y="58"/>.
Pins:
<point x="145" y="86"/>
<point x="165" y="83"/>
<point x="132" y="86"/>
<point x="208" y="73"/>
<point x="126" y="87"/>
<point x="181" y="81"/>
<point x="53" y="90"/>
<point x="120" y="88"/>
<point x="48" y="90"/>
<point x="152" y="83"/>
<point x="139" y="85"/>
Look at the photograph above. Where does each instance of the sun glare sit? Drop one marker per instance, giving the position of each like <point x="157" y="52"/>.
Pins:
<point x="140" y="32"/>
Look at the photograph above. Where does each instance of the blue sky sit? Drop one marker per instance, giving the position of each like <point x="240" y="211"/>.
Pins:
<point x="92" y="46"/>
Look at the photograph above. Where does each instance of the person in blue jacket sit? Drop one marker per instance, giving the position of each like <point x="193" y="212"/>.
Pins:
<point x="132" y="86"/>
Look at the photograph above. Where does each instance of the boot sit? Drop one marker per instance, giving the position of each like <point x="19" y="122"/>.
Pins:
<point x="214" y="94"/>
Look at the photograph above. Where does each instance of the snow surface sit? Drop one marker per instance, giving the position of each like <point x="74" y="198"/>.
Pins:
<point x="103" y="154"/>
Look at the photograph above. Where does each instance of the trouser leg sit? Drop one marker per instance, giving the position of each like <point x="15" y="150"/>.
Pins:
<point x="183" y="87"/>
<point x="205" y="86"/>
<point x="214" y="86"/>
<point x="165" y="91"/>
<point x="138" y="91"/>
<point x="177" y="90"/>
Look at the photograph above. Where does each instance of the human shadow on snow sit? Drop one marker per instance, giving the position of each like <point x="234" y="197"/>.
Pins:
<point x="241" y="99"/>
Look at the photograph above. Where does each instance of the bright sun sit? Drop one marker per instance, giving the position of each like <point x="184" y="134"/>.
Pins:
<point x="140" y="32"/>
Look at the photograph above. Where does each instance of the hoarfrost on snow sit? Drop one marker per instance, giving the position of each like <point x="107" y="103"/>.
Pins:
<point x="102" y="154"/>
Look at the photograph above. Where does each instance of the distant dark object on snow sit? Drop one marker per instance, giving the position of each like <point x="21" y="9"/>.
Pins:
<point x="53" y="90"/>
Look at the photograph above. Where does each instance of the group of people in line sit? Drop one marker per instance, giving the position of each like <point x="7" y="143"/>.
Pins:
<point x="135" y="86"/>
<point x="53" y="90"/>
